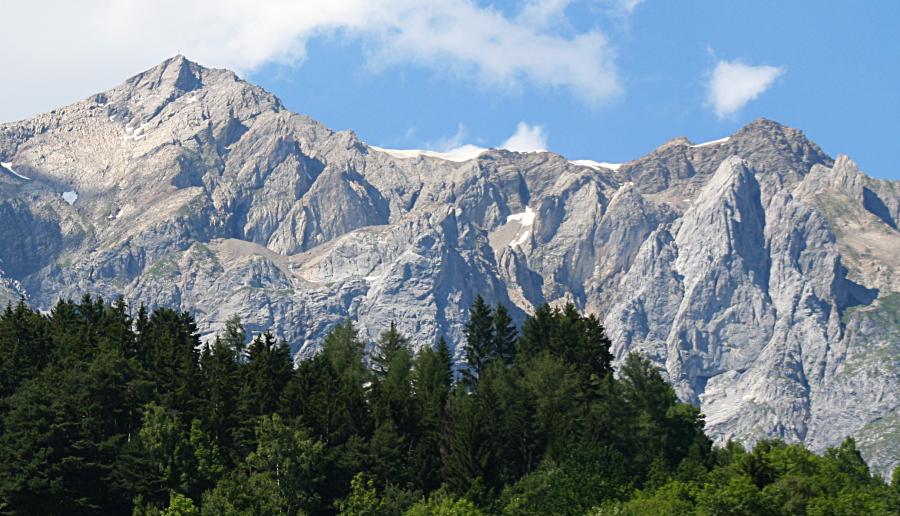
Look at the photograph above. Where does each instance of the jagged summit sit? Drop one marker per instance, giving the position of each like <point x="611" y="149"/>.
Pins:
<point x="176" y="73"/>
<point x="757" y="271"/>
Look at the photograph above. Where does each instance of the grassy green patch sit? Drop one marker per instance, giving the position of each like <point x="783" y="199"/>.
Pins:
<point x="834" y="209"/>
<point x="890" y="305"/>
<point x="163" y="268"/>
<point x="881" y="434"/>
<point x="202" y="253"/>
<point x="885" y="351"/>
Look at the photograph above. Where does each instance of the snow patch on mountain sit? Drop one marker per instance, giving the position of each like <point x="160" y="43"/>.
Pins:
<point x="459" y="154"/>
<point x="8" y="166"/>
<point x="526" y="218"/>
<point x="70" y="197"/>
<point x="596" y="165"/>
<point x="711" y="142"/>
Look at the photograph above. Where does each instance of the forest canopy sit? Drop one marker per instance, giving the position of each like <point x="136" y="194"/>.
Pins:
<point x="105" y="411"/>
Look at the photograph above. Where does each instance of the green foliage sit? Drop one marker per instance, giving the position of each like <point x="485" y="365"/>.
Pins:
<point x="328" y="392"/>
<point x="167" y="346"/>
<point x="389" y="345"/>
<point x="505" y="334"/>
<point x="234" y="337"/>
<point x="432" y="380"/>
<point x="672" y="499"/>
<point x="166" y="447"/>
<point x="391" y="387"/>
<point x="105" y="413"/>
<point x="662" y="428"/>
<point x="221" y="375"/>
<point x="579" y="341"/>
<point x="444" y="506"/>
<point x="280" y="477"/>
<point x="582" y="480"/>
<point x="480" y="347"/>
<point x="24" y="346"/>
<point x="738" y="496"/>
<point x="269" y="368"/>
<point x="363" y="499"/>
<point x="180" y="505"/>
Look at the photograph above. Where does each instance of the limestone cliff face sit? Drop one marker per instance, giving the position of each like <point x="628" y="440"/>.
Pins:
<point x="760" y="274"/>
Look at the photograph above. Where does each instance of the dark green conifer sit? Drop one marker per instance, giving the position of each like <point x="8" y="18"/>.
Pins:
<point x="505" y="334"/>
<point x="480" y="346"/>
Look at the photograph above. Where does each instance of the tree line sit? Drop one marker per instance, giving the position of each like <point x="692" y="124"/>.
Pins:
<point x="107" y="412"/>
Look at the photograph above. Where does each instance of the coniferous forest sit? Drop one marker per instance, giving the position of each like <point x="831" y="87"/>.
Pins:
<point x="104" y="411"/>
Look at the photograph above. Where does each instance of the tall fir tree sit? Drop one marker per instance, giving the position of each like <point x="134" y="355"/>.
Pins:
<point x="235" y="336"/>
<point x="537" y="331"/>
<point x="269" y="368"/>
<point x="480" y="346"/>
<point x="505" y="334"/>
<point x="24" y="346"/>
<point x="389" y="344"/>
<point x="328" y="392"/>
<point x="595" y="348"/>
<point x="222" y="377"/>
<point x="169" y="351"/>
<point x="432" y="382"/>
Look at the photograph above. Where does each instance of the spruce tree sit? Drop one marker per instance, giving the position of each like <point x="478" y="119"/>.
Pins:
<point x="235" y="336"/>
<point x="269" y="368"/>
<point x="432" y="381"/>
<point x="594" y="353"/>
<point x="168" y="349"/>
<point x="24" y="346"/>
<point x="537" y="331"/>
<point x="504" y="335"/>
<point x="393" y="394"/>
<point x="348" y="411"/>
<point x="389" y="344"/>
<point x="466" y="442"/>
<point x="221" y="390"/>
<point x="480" y="344"/>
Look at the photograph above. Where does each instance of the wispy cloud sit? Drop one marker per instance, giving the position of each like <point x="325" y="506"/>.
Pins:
<point x="527" y="138"/>
<point x="733" y="84"/>
<point x="105" y="40"/>
<point x="447" y="143"/>
<point x="624" y="7"/>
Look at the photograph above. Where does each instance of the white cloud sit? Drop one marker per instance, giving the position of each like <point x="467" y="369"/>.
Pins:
<point x="448" y="143"/>
<point x="527" y="138"/>
<point x="624" y="7"/>
<point x="733" y="84"/>
<point x="85" y="47"/>
<point x="455" y="146"/>
<point x="543" y="13"/>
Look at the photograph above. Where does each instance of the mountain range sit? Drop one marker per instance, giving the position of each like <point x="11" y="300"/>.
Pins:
<point x="760" y="274"/>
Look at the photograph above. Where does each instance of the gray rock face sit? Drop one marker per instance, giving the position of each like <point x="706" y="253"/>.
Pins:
<point x="761" y="275"/>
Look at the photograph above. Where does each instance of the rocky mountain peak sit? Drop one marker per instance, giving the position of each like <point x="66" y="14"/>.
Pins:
<point x="179" y="75"/>
<point x="674" y="142"/>
<point x="176" y="73"/>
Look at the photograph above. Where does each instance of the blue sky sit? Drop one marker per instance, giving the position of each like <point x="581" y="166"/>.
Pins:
<point x="607" y="80"/>
<point x="840" y="84"/>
